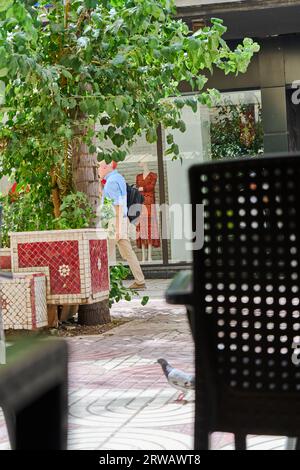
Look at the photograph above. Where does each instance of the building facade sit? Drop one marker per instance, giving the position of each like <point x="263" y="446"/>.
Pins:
<point x="258" y="113"/>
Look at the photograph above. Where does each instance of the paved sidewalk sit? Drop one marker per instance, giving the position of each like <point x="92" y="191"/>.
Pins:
<point x="119" y="398"/>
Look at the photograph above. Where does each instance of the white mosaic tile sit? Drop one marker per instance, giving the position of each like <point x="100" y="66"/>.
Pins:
<point x="23" y="301"/>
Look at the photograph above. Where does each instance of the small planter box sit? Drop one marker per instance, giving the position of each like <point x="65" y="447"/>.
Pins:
<point x="74" y="261"/>
<point x="23" y="301"/>
<point x="5" y="259"/>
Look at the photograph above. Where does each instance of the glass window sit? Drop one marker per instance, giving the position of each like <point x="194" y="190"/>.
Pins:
<point x="236" y="125"/>
<point x="230" y="129"/>
<point x="140" y="168"/>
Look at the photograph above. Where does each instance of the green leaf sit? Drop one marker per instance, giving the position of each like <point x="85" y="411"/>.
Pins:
<point x="181" y="126"/>
<point x="109" y="107"/>
<point x="91" y="3"/>
<point x="180" y="102"/>
<point x="145" y="300"/>
<point x="142" y="120"/>
<point x="5" y="4"/>
<point x="111" y="131"/>
<point x="170" y="139"/>
<point x="72" y="103"/>
<point x="3" y="72"/>
<point x="192" y="103"/>
<point x="67" y="74"/>
<point x="83" y="106"/>
<point x="151" y="135"/>
<point x="119" y="102"/>
<point x="201" y="81"/>
<point x="194" y="44"/>
<point x="219" y="25"/>
<point x="118" y="139"/>
<point x="122" y="118"/>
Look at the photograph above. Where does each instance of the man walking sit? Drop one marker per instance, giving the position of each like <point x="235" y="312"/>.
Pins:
<point x="114" y="188"/>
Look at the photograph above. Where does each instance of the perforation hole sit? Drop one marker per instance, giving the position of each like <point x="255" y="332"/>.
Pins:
<point x="284" y="351"/>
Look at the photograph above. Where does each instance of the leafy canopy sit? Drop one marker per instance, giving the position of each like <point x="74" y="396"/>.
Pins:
<point x="108" y="67"/>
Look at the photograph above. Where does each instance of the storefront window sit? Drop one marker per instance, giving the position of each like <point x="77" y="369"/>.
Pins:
<point x="141" y="169"/>
<point x="233" y="128"/>
<point x="194" y="145"/>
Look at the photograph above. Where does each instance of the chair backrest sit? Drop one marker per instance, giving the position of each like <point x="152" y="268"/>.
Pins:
<point x="247" y="276"/>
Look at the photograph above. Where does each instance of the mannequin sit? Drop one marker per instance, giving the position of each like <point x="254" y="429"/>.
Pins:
<point x="147" y="230"/>
<point x="144" y="165"/>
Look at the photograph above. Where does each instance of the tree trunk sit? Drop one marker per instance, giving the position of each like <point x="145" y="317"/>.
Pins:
<point x="85" y="179"/>
<point x="52" y="316"/>
<point x="94" y="314"/>
<point x="55" y="194"/>
<point x="85" y="171"/>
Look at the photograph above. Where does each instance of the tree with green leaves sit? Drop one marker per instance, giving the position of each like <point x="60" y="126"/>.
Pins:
<point x="87" y="72"/>
<point x="84" y="78"/>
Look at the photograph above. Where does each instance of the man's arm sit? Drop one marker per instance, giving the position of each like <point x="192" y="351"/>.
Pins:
<point x="119" y="222"/>
<point x="113" y="191"/>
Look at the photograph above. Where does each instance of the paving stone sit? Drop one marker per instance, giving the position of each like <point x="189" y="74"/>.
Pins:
<point x="119" y="398"/>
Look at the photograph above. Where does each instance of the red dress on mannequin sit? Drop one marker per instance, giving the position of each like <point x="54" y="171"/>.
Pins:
<point x="147" y="232"/>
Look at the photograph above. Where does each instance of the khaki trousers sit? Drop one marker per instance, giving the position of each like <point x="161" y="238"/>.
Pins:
<point x="127" y="253"/>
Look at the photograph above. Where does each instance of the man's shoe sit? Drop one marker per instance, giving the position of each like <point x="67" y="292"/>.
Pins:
<point x="136" y="286"/>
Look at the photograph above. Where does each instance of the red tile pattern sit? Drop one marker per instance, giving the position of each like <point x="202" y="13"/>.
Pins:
<point x="5" y="262"/>
<point x="62" y="259"/>
<point x="99" y="266"/>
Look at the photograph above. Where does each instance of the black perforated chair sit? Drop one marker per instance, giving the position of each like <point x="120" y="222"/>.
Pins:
<point x="244" y="298"/>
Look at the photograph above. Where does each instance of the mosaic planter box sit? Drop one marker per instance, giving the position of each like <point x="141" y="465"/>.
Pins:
<point x="5" y="259"/>
<point x="74" y="261"/>
<point x="23" y="301"/>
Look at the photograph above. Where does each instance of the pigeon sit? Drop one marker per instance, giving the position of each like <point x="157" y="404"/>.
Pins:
<point x="177" y="378"/>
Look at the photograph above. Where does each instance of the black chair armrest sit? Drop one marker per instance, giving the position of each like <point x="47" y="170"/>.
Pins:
<point x="180" y="291"/>
<point x="33" y="394"/>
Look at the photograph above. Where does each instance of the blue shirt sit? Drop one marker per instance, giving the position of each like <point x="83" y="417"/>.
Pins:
<point x="115" y="189"/>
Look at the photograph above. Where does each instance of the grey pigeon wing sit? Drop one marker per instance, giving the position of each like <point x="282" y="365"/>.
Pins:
<point x="181" y="380"/>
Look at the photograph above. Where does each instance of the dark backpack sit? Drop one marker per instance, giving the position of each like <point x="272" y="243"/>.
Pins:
<point x="135" y="201"/>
